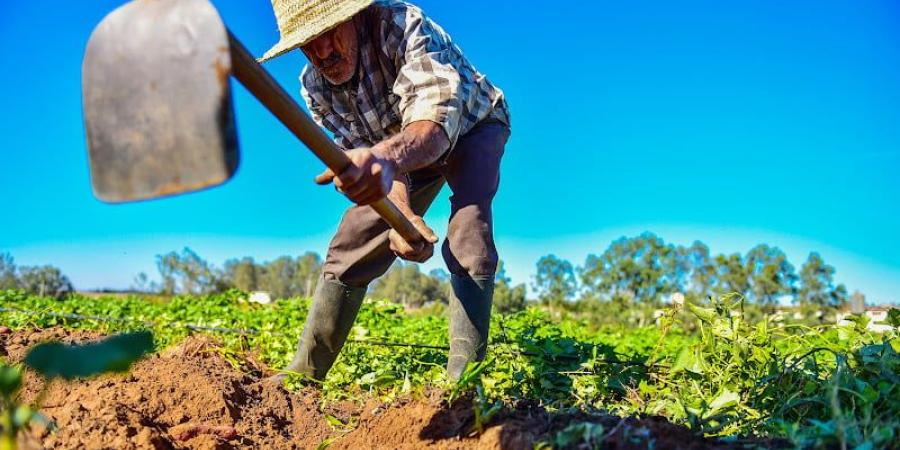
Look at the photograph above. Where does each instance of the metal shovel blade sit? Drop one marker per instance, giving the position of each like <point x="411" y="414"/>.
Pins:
<point x="157" y="100"/>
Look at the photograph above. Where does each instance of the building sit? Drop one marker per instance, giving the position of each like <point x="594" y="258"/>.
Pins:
<point x="877" y="315"/>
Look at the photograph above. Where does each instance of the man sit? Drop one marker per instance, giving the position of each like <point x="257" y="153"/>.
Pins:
<point x="411" y="113"/>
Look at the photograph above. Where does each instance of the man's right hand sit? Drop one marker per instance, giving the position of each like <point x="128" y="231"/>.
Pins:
<point x="366" y="180"/>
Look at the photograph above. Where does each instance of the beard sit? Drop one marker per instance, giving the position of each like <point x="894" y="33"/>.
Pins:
<point x="339" y="68"/>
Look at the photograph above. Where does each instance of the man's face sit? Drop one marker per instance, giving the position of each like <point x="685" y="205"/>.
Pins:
<point x="334" y="53"/>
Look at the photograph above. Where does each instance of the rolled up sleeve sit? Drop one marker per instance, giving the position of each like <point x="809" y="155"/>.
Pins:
<point x="428" y="83"/>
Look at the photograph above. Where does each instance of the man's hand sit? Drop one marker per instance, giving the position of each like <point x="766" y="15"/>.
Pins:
<point x="366" y="180"/>
<point x="419" y="252"/>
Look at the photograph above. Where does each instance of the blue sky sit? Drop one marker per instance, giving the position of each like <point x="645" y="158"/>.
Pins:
<point x="730" y="122"/>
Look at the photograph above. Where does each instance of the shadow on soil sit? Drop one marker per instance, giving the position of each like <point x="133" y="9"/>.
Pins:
<point x="529" y="425"/>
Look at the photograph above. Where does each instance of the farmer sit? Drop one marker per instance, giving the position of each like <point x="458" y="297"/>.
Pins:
<point x="412" y="113"/>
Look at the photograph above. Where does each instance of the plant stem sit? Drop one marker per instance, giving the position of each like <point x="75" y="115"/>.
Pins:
<point x="7" y="441"/>
<point x="8" y="434"/>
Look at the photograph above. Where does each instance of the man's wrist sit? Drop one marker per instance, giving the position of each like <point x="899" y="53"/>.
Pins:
<point x="389" y="165"/>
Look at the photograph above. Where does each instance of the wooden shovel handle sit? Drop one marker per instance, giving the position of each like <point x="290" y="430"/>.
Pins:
<point x="260" y="83"/>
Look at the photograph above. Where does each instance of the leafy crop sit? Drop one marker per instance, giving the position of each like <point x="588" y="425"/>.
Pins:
<point x="725" y="375"/>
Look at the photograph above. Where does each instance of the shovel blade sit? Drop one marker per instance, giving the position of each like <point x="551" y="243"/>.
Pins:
<point x="157" y="101"/>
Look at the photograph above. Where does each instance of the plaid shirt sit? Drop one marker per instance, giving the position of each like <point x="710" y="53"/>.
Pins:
<point x="409" y="70"/>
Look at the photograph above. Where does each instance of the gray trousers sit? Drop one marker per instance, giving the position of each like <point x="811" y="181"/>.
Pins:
<point x="360" y="252"/>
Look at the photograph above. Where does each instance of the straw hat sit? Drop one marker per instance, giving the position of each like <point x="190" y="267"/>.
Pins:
<point x="300" y="21"/>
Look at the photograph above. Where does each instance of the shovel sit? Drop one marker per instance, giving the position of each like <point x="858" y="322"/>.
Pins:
<point x="158" y="109"/>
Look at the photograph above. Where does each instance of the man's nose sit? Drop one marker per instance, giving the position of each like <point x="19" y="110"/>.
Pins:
<point x="322" y="47"/>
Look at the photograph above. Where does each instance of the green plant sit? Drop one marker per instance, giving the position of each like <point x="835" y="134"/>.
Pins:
<point x="13" y="416"/>
<point x="580" y="435"/>
<point x="722" y="367"/>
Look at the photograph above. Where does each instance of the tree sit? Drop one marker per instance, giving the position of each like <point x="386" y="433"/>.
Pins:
<point x="280" y="277"/>
<point x="507" y="298"/>
<point x="640" y="268"/>
<point x="443" y="279"/>
<point x="555" y="280"/>
<point x="45" y="281"/>
<point x="198" y="276"/>
<point x="702" y="269"/>
<point x="771" y="275"/>
<point x="167" y="265"/>
<point x="405" y="284"/>
<point x="675" y="263"/>
<point x="243" y="274"/>
<point x="309" y="265"/>
<point x="287" y="277"/>
<point x="187" y="273"/>
<point x="817" y="284"/>
<point x="8" y="272"/>
<point x="142" y="283"/>
<point x="732" y="275"/>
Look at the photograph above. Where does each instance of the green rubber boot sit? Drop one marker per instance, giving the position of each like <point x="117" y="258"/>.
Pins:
<point x="331" y="316"/>
<point x="470" y="320"/>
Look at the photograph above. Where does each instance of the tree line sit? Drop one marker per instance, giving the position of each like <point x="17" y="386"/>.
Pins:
<point x="186" y="272"/>
<point x="46" y="281"/>
<point x="643" y="269"/>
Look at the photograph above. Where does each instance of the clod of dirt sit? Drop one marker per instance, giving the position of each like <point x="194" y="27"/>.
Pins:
<point x="188" y="431"/>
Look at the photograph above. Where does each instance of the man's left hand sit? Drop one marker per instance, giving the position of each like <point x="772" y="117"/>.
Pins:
<point x="418" y="252"/>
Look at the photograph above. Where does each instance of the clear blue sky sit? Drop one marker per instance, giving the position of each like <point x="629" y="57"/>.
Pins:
<point x="730" y="122"/>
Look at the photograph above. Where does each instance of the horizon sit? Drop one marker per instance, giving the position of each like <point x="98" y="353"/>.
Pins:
<point x="732" y="124"/>
<point x="144" y="259"/>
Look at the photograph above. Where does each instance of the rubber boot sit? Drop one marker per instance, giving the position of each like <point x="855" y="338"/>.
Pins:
<point x="331" y="316"/>
<point x="470" y="320"/>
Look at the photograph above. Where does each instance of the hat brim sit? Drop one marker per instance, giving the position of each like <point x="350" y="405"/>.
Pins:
<point x="310" y="31"/>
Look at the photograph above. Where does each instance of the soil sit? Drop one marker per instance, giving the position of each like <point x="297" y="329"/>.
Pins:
<point x="190" y="397"/>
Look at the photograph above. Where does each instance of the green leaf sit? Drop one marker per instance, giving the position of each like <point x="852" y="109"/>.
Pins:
<point x="113" y="354"/>
<point x="368" y="378"/>
<point x="810" y="387"/>
<point x="336" y="424"/>
<point x="578" y="434"/>
<point x="22" y="416"/>
<point x="325" y="443"/>
<point x="894" y="317"/>
<point x="10" y="380"/>
<point x="687" y="361"/>
<point x="725" y="399"/>
<point x="705" y="314"/>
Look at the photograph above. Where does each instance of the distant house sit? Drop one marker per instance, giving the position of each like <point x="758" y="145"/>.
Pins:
<point x="878" y="313"/>
<point x="797" y="313"/>
<point x="877" y="318"/>
<point x="260" y="297"/>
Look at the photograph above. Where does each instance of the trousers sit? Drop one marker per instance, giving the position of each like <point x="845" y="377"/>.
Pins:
<point x="360" y="252"/>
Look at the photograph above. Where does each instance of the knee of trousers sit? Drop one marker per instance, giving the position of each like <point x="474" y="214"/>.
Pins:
<point x="357" y="267"/>
<point x="469" y="248"/>
<point x="355" y="278"/>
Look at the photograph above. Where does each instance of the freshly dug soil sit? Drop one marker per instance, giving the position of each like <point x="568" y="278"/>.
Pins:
<point x="190" y="397"/>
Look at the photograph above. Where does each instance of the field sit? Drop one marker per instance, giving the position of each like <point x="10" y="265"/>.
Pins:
<point x="703" y="376"/>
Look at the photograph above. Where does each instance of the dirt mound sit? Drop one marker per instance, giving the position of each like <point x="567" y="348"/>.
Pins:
<point x="186" y="397"/>
<point x="190" y="397"/>
<point x="431" y="423"/>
